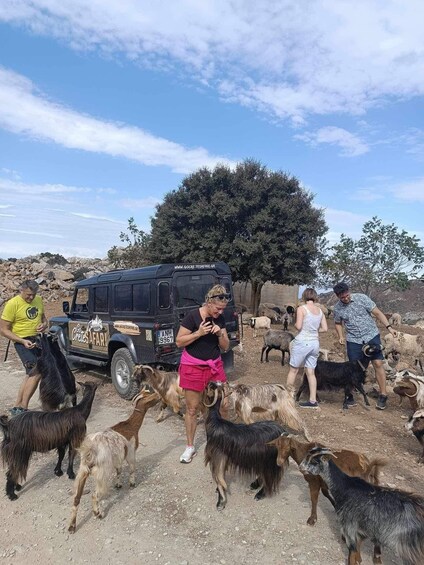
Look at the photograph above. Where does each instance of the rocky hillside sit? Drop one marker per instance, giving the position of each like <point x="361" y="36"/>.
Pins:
<point x="55" y="274"/>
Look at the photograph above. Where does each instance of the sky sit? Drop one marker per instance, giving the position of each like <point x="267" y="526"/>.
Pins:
<point x="106" y="106"/>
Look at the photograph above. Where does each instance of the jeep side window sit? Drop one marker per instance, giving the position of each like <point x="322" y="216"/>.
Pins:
<point x="123" y="298"/>
<point x="81" y="301"/>
<point x="163" y="295"/>
<point x="141" y="297"/>
<point x="101" y="298"/>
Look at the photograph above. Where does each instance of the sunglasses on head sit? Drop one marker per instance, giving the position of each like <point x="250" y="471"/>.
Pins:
<point x="222" y="297"/>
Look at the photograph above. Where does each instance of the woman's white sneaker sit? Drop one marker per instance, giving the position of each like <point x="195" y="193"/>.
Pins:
<point x="188" y="454"/>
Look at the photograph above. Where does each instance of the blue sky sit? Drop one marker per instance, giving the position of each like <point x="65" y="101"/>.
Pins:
<point x="105" y="106"/>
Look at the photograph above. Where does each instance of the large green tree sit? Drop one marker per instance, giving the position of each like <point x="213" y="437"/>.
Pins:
<point x="262" y="223"/>
<point x="383" y="257"/>
<point x="134" y="253"/>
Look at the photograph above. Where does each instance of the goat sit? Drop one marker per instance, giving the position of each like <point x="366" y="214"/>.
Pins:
<point x="103" y="453"/>
<point x="241" y="448"/>
<point x="165" y="383"/>
<point x="331" y="375"/>
<point x="395" y="319"/>
<point x="324" y="353"/>
<point x="412" y="386"/>
<point x="389" y="517"/>
<point x="276" y="339"/>
<point x="406" y="345"/>
<point x="260" y="323"/>
<point x="57" y="384"/>
<point x="32" y="431"/>
<point x="352" y="463"/>
<point x="265" y="402"/>
<point x="416" y="426"/>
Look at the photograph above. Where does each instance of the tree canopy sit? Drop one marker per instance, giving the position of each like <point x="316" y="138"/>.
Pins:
<point x="383" y="257"/>
<point x="262" y="223"/>
<point x="134" y="253"/>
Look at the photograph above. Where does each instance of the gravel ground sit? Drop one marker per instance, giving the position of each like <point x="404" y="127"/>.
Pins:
<point x="170" y="517"/>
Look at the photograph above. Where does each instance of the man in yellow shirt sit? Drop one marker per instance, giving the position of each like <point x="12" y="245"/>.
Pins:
<point x="22" y="319"/>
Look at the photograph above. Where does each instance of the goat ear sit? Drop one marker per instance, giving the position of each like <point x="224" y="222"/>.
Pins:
<point x="273" y="442"/>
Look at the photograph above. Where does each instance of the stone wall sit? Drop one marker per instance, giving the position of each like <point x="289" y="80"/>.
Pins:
<point x="278" y="294"/>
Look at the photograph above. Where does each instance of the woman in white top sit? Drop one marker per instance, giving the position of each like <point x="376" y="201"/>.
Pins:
<point x="305" y="347"/>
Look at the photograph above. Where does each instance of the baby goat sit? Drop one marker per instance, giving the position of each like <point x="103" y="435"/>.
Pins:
<point x="352" y="463"/>
<point x="265" y="402"/>
<point x="330" y="375"/>
<point x="388" y="517"/>
<point x="241" y="448"/>
<point x="57" y="384"/>
<point x="103" y="453"/>
<point x="31" y="432"/>
<point x="165" y="383"/>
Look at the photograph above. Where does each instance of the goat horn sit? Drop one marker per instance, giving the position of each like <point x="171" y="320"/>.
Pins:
<point x="215" y="398"/>
<point x="147" y="367"/>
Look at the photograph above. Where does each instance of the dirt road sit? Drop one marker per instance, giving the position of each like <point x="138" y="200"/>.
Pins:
<point x="170" y="517"/>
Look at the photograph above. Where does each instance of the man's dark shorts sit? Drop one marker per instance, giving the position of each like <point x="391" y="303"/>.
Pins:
<point x="28" y="357"/>
<point x="355" y="353"/>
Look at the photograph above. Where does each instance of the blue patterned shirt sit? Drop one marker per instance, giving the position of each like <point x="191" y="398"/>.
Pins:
<point x="356" y="317"/>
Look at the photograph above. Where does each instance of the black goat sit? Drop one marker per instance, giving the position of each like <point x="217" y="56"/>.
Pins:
<point x="330" y="375"/>
<point x="57" y="384"/>
<point x="32" y="431"/>
<point x="241" y="448"/>
<point x="388" y="517"/>
<point x="276" y="339"/>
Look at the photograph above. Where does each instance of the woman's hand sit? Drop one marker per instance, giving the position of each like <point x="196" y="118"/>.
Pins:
<point x="216" y="330"/>
<point x="206" y="328"/>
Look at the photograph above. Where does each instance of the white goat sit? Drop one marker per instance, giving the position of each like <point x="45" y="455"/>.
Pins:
<point x="405" y="345"/>
<point x="260" y="323"/>
<point x="265" y="402"/>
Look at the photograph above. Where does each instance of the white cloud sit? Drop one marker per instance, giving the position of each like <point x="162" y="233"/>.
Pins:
<point x="350" y="144"/>
<point x="86" y="216"/>
<point x="289" y="59"/>
<point x="412" y="191"/>
<point x="25" y="111"/>
<point x="134" y="203"/>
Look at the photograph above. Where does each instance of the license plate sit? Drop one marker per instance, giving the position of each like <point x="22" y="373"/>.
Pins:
<point x="165" y="336"/>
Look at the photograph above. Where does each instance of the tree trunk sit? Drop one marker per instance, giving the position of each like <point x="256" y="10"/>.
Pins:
<point x="255" y="297"/>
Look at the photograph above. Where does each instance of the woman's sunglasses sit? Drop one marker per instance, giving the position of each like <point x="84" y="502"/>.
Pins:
<point x="224" y="297"/>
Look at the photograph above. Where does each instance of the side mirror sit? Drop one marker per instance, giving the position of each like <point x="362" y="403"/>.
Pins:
<point x="65" y="307"/>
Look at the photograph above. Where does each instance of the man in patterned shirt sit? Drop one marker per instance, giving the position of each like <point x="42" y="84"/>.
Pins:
<point x="353" y="311"/>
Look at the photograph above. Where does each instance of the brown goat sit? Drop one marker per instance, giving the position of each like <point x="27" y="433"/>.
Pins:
<point x="350" y="462"/>
<point x="165" y="383"/>
<point x="104" y="452"/>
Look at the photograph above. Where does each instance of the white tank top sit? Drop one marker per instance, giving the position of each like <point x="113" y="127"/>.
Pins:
<point x="310" y="325"/>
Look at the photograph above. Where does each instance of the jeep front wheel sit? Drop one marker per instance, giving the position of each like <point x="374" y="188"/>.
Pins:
<point x="121" y="370"/>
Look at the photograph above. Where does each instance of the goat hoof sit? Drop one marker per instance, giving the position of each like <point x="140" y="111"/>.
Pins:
<point x="12" y="496"/>
<point x="58" y="472"/>
<point x="71" y="476"/>
<point x="18" y="487"/>
<point x="132" y="485"/>
<point x="255" y="485"/>
<point x="311" y="521"/>
<point x="259" y="496"/>
<point x="71" y="529"/>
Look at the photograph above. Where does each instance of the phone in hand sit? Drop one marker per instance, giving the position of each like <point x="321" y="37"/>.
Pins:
<point x="209" y="320"/>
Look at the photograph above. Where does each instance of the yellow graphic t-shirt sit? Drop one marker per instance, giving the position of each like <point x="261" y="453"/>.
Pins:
<point x="25" y="318"/>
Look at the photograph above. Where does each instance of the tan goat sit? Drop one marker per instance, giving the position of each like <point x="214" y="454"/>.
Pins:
<point x="165" y="383"/>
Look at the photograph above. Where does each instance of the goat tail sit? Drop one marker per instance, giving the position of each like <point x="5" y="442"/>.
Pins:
<point x="372" y="473"/>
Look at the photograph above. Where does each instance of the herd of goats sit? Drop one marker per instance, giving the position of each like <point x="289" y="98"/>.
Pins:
<point x="264" y="432"/>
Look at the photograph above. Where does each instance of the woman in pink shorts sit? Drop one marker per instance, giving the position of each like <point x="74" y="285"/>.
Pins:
<point x="202" y="334"/>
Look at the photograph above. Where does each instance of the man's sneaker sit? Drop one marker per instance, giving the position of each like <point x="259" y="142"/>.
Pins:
<point x="350" y="402"/>
<point x="188" y="454"/>
<point x="308" y="404"/>
<point x="17" y="410"/>
<point x="381" y="402"/>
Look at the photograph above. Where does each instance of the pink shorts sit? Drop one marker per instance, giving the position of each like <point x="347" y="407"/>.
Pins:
<point x="196" y="377"/>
